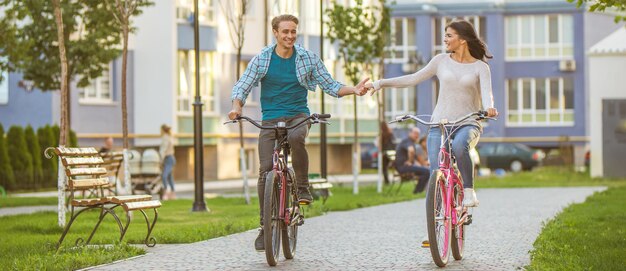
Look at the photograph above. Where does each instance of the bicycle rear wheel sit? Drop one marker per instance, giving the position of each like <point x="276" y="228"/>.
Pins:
<point x="290" y="232"/>
<point x="458" y="231"/>
<point x="437" y="222"/>
<point x="271" y="221"/>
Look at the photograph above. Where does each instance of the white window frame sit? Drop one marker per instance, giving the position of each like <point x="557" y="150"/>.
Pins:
<point x="185" y="99"/>
<point x="184" y="8"/>
<point x="533" y="111"/>
<point x="444" y="21"/>
<point x="561" y="45"/>
<point x="394" y="47"/>
<point x="97" y="84"/>
<point x="394" y="109"/>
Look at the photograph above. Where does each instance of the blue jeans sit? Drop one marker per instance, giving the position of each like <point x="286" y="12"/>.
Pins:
<point x="168" y="165"/>
<point x="464" y="138"/>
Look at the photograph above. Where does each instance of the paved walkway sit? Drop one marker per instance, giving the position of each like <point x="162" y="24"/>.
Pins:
<point x="383" y="238"/>
<point x="26" y="210"/>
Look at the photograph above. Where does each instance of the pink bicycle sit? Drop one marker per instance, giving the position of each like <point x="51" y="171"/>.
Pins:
<point x="445" y="215"/>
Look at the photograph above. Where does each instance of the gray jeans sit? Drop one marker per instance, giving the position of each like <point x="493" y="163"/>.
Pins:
<point x="299" y="157"/>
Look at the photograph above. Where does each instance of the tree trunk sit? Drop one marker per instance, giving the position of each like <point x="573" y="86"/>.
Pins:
<point x="127" y="177"/>
<point x="64" y="105"/>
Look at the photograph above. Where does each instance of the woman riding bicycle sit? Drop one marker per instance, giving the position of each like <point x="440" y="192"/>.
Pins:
<point x="465" y="87"/>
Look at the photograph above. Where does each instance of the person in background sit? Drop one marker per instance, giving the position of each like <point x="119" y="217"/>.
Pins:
<point x="406" y="160"/>
<point x="108" y="145"/>
<point x="388" y="144"/>
<point x="168" y="161"/>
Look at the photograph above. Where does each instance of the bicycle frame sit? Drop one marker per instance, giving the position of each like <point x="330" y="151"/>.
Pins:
<point x="280" y="169"/>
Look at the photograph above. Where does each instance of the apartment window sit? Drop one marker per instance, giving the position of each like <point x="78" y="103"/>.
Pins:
<point x="99" y="90"/>
<point x="187" y="82"/>
<point x="440" y="30"/>
<point x="540" y="101"/>
<point x="206" y="8"/>
<point x="4" y="87"/>
<point x="401" y="45"/>
<point x="399" y="101"/>
<point x="531" y="37"/>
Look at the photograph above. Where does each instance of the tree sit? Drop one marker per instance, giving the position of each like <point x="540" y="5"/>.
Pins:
<point x="235" y="14"/>
<point x="123" y="10"/>
<point x="32" y="144"/>
<point x="603" y="5"/>
<point x="34" y="43"/>
<point x="360" y="34"/>
<point x="7" y="179"/>
<point x="49" y="166"/>
<point x="21" y="160"/>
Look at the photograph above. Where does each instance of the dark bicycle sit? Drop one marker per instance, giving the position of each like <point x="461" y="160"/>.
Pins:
<point x="281" y="211"/>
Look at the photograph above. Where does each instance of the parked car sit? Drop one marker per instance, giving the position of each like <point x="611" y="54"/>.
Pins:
<point x="369" y="157"/>
<point x="510" y="156"/>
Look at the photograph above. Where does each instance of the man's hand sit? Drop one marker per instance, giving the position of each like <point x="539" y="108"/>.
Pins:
<point x="492" y="112"/>
<point x="236" y="111"/>
<point x="360" y="89"/>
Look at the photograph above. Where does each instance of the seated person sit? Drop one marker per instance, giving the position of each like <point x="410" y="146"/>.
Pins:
<point x="407" y="160"/>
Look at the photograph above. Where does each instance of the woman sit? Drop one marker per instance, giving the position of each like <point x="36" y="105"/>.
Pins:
<point x="168" y="161"/>
<point x="465" y="87"/>
<point x="388" y="145"/>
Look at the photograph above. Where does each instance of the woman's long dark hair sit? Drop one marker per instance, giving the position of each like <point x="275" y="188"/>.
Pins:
<point x="466" y="31"/>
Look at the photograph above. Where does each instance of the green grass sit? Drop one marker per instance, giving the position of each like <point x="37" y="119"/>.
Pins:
<point x="545" y="177"/>
<point x="31" y="201"/>
<point x="27" y="241"/>
<point x="585" y="236"/>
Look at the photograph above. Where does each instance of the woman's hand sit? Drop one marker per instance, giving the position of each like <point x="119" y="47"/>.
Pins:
<point x="360" y="89"/>
<point x="492" y="112"/>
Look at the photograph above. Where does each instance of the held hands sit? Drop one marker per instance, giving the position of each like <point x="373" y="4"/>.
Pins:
<point x="370" y="86"/>
<point x="360" y="89"/>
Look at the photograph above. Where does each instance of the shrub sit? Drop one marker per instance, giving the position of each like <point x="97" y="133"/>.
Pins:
<point x="49" y="166"/>
<point x="32" y="143"/>
<point x="7" y="179"/>
<point x="21" y="160"/>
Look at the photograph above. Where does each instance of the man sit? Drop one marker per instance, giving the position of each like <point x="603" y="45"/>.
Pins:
<point x="108" y="145"/>
<point x="408" y="160"/>
<point x="286" y="71"/>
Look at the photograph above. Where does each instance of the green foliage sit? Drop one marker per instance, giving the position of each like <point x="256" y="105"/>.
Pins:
<point x="32" y="143"/>
<point x="56" y="132"/>
<point x="91" y="40"/>
<point x="7" y="179"/>
<point x="359" y="32"/>
<point x="21" y="160"/>
<point x="49" y="166"/>
<point x="73" y="142"/>
<point x="603" y="5"/>
<point x="585" y="236"/>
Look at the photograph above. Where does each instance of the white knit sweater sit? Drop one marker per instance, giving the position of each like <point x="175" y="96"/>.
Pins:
<point x="463" y="87"/>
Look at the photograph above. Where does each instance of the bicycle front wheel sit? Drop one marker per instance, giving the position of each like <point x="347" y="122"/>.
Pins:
<point x="458" y="231"/>
<point x="290" y="232"/>
<point x="437" y="222"/>
<point x="271" y="220"/>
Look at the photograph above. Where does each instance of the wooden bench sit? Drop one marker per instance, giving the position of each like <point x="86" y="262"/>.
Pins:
<point x="320" y="187"/>
<point x="397" y="178"/>
<point x="86" y="170"/>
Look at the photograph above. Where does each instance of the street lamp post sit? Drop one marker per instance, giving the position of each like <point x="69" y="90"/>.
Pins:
<point x="198" y="205"/>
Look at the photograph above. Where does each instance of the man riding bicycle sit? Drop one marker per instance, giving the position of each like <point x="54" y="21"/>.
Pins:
<point x="286" y="71"/>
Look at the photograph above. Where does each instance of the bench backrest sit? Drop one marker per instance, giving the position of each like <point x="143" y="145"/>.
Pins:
<point x="112" y="162"/>
<point x="84" y="167"/>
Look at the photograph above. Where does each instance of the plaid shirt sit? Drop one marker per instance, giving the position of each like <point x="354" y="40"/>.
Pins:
<point x="310" y="71"/>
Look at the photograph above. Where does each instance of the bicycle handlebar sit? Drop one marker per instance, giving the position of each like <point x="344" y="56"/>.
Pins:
<point x="317" y="118"/>
<point x="481" y="115"/>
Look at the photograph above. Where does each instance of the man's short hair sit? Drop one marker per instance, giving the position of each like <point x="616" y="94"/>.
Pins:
<point x="282" y="18"/>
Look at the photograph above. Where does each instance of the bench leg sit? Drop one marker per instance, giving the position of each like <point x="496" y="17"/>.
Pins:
<point x="103" y="214"/>
<point x="69" y="225"/>
<point x="150" y="241"/>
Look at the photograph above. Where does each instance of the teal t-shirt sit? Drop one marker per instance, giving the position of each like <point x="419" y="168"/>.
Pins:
<point x="281" y="93"/>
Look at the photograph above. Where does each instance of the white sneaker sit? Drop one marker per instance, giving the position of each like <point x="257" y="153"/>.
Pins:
<point x="470" y="199"/>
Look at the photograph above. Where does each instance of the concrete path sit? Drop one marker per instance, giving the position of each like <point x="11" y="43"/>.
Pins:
<point x="383" y="238"/>
<point x="26" y="210"/>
